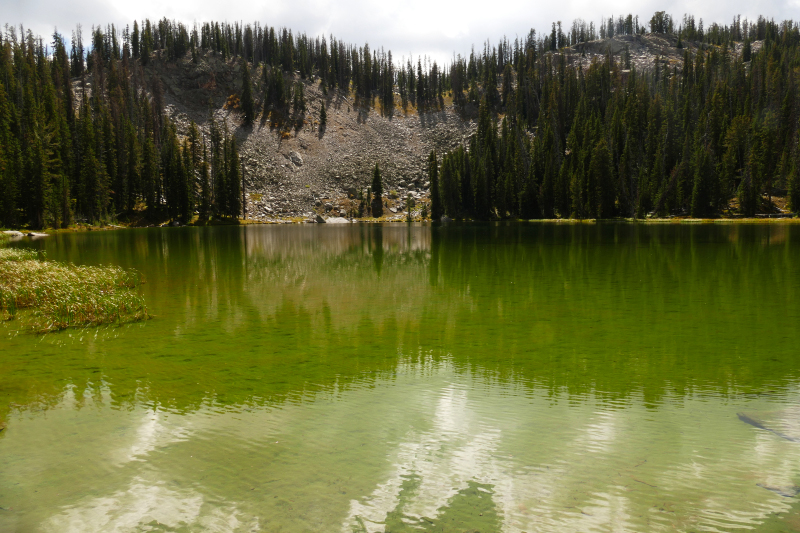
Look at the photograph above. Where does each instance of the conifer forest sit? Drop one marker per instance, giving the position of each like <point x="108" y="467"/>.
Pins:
<point x="84" y="135"/>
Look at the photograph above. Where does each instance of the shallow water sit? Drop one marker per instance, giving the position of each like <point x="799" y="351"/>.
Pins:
<point x="539" y="377"/>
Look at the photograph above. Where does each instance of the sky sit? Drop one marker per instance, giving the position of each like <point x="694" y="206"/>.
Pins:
<point x="436" y="28"/>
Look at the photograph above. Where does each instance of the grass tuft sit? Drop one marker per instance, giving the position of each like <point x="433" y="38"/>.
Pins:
<point x="63" y="295"/>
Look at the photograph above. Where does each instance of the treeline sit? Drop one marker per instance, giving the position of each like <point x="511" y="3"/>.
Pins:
<point x="79" y="150"/>
<point x="372" y="74"/>
<point x="84" y="135"/>
<point x="607" y="140"/>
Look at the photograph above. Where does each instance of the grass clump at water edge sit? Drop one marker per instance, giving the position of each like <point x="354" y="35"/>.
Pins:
<point x="51" y="296"/>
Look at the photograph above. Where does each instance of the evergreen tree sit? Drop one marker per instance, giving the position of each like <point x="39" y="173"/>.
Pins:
<point x="450" y="190"/>
<point x="248" y="106"/>
<point x="433" y="177"/>
<point x="135" y="40"/>
<point x="377" y="191"/>
<point x="323" y="118"/>
<point x="702" y="193"/>
<point x="299" y="99"/>
<point x="205" y="188"/>
<point x="149" y="175"/>
<point x="794" y="185"/>
<point x="234" y="180"/>
<point x="529" y="195"/>
<point x="602" y="173"/>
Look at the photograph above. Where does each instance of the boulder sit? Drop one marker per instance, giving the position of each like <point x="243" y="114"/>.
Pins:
<point x="337" y="220"/>
<point x="296" y="159"/>
<point x="318" y="219"/>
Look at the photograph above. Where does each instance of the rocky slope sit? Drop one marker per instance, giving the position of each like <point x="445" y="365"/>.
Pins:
<point x="293" y="174"/>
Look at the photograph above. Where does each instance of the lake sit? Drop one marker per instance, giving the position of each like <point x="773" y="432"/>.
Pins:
<point x="469" y="377"/>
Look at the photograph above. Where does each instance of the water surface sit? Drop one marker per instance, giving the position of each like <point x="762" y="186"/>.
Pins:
<point x="536" y="377"/>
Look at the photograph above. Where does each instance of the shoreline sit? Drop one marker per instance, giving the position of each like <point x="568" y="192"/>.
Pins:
<point x="8" y="235"/>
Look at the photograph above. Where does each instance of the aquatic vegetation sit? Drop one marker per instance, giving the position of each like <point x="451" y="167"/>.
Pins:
<point x="50" y="296"/>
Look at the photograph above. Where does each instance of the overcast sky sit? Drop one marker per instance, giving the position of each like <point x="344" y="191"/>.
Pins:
<point x="436" y="28"/>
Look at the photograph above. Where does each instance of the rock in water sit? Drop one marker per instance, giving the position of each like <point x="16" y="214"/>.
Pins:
<point x="318" y="219"/>
<point x="337" y="220"/>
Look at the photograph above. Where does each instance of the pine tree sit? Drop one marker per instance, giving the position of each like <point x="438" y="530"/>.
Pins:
<point x="450" y="190"/>
<point x="135" y="40"/>
<point x="323" y="118"/>
<point x="149" y="175"/>
<point x="299" y="99"/>
<point x="205" y="188"/>
<point x="147" y="43"/>
<point x="529" y="195"/>
<point x="602" y="172"/>
<point x="9" y="157"/>
<point x="702" y="189"/>
<point x="507" y="85"/>
<point x="377" y="191"/>
<point x="248" y="106"/>
<point x="186" y="202"/>
<point x="234" y="180"/>
<point x="433" y="177"/>
<point x="794" y="185"/>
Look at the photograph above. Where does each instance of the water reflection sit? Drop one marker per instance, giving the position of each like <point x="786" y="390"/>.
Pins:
<point x="426" y="447"/>
<point x="397" y="378"/>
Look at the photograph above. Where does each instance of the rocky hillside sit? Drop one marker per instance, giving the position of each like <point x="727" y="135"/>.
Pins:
<point x="644" y="51"/>
<point x="294" y="173"/>
<point x="290" y="174"/>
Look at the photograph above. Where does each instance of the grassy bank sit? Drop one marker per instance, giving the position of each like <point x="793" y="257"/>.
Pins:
<point x="50" y="296"/>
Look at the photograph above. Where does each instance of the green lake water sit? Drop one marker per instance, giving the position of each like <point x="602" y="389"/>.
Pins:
<point x="492" y="378"/>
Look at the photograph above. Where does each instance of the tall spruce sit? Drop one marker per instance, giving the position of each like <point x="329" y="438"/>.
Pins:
<point x="377" y="192"/>
<point x="248" y="105"/>
<point x="794" y="184"/>
<point x="433" y="177"/>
